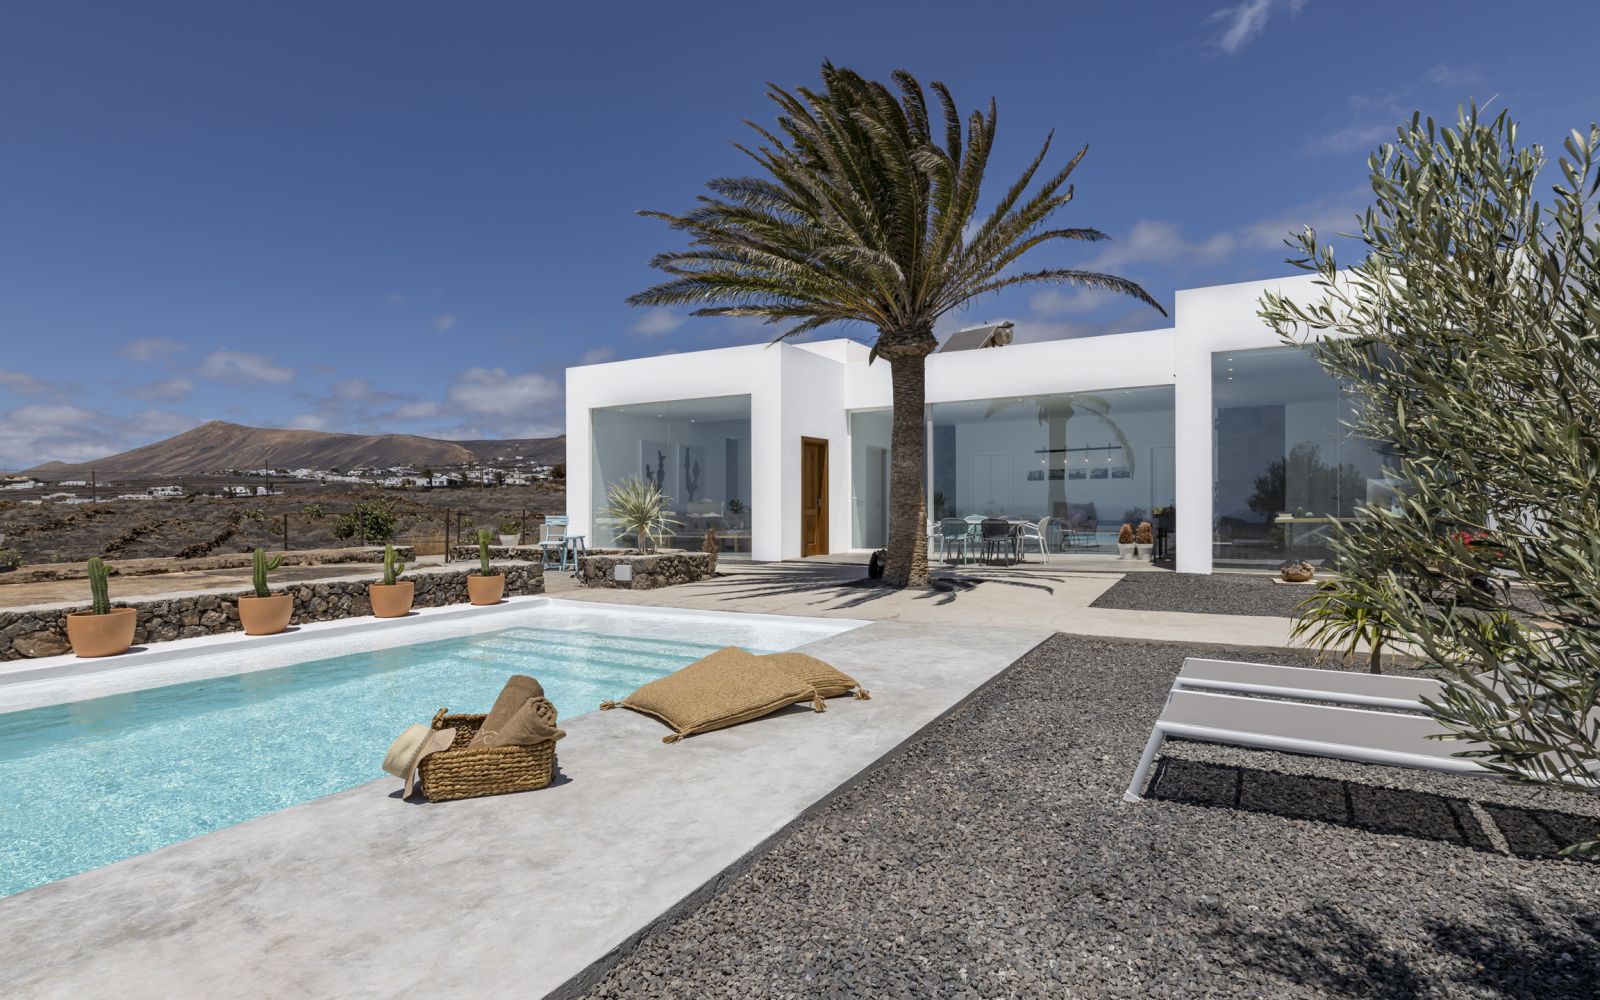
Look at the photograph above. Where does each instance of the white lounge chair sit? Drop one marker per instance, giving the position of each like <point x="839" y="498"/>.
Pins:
<point x="1197" y="710"/>
<point x="1340" y="687"/>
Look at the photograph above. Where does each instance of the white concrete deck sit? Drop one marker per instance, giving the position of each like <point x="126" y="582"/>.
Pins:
<point x="363" y="895"/>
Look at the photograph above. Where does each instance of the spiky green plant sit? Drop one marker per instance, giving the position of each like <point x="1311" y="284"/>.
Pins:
<point x="260" y="566"/>
<point x="634" y="506"/>
<point x="863" y="214"/>
<point x="483" y="553"/>
<point x="99" y="587"/>
<point x="392" y="567"/>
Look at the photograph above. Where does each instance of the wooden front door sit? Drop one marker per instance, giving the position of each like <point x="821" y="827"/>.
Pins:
<point x="813" y="497"/>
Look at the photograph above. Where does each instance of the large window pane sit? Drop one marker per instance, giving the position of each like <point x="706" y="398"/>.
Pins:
<point x="696" y="450"/>
<point x="1287" y="469"/>
<point x="869" y="478"/>
<point x="1089" y="461"/>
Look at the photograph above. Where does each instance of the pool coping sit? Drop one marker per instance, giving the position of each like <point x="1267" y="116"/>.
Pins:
<point x="66" y="678"/>
<point x="639" y="832"/>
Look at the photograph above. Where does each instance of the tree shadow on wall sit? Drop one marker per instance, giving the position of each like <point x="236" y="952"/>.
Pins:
<point x="838" y="591"/>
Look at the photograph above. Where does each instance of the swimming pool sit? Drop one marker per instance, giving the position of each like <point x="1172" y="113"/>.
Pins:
<point x="94" y="781"/>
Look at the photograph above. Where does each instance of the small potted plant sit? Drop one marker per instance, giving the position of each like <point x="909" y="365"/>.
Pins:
<point x="10" y="559"/>
<point x="1145" y="536"/>
<point x="511" y="534"/>
<point x="735" y="509"/>
<point x="102" y="630"/>
<point x="265" y="613"/>
<point x="392" y="597"/>
<point x="488" y="584"/>
<point x="1126" y="549"/>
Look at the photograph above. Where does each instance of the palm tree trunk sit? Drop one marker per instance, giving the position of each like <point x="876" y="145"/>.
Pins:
<point x="907" y="354"/>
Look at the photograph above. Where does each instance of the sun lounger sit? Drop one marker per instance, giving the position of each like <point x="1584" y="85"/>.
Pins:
<point x="1322" y="730"/>
<point x="1340" y="687"/>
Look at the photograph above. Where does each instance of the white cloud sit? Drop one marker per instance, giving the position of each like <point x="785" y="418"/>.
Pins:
<point x="308" y="422"/>
<point x="151" y="348"/>
<point x="1244" y="23"/>
<point x="420" y="410"/>
<point x="164" y="389"/>
<point x="596" y="356"/>
<point x="494" y="392"/>
<point x="656" y="323"/>
<point x="33" y="435"/>
<point x="1064" y="301"/>
<point x="1352" y="138"/>
<point x="22" y="382"/>
<point x="444" y="322"/>
<point x="242" y="367"/>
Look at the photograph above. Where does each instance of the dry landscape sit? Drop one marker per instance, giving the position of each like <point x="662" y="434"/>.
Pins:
<point x="205" y="525"/>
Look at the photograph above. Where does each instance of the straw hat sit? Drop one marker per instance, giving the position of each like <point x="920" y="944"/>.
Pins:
<point x="408" y="749"/>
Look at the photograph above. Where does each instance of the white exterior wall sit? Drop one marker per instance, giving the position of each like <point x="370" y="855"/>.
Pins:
<point x="808" y="390"/>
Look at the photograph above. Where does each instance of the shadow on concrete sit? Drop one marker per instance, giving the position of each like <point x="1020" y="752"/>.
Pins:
<point x="843" y="587"/>
<point x="1527" y="833"/>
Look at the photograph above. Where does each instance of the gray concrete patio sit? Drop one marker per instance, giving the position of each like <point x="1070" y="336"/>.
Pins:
<point x="1056" y="596"/>
<point x="363" y="895"/>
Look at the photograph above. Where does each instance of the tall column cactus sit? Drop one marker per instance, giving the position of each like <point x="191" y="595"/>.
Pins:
<point x="483" y="553"/>
<point x="99" y="587"/>
<point x="392" y="567"/>
<point x="260" y="566"/>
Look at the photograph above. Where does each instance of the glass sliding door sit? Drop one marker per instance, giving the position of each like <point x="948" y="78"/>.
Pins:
<point x="869" y="479"/>
<point x="697" y="451"/>
<point x="1087" y="462"/>
<point x="1287" y="471"/>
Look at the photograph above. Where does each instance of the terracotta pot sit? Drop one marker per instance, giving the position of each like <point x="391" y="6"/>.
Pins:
<point x="486" y="589"/>
<point x="390" y="601"/>
<point x="102" y="635"/>
<point x="265" y="615"/>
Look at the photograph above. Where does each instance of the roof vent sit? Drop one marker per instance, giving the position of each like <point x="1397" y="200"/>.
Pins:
<point x="992" y="335"/>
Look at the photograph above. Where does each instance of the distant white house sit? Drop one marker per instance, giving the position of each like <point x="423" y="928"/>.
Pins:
<point x="73" y="482"/>
<point x="1237" y="439"/>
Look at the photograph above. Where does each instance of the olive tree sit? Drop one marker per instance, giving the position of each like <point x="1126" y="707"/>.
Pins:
<point x="1471" y="330"/>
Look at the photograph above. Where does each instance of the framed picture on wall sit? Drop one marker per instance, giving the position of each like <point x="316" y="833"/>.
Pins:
<point x="1100" y="472"/>
<point x="1077" y="473"/>
<point x="653" y="462"/>
<point x="1121" y="472"/>
<point x="1035" y="475"/>
<point x="1058" y="474"/>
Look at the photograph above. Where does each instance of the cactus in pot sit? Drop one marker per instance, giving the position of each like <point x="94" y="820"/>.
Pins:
<point x="391" y="598"/>
<point x="487" y="585"/>
<point x="263" y="613"/>
<point x="102" y="630"/>
<point x="1126" y="548"/>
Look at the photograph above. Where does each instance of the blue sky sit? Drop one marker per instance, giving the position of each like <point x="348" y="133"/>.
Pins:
<point x="406" y="216"/>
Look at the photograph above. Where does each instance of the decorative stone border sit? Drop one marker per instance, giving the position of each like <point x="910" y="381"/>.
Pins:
<point x="41" y="631"/>
<point x="661" y="569"/>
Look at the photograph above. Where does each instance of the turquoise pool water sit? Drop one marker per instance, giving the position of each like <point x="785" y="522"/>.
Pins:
<point x="93" y="782"/>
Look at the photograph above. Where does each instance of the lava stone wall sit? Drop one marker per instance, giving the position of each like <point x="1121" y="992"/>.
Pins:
<point x="33" y="632"/>
<point x="665" y="569"/>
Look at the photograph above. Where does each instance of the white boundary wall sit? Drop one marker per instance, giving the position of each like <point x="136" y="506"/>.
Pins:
<point x="809" y="389"/>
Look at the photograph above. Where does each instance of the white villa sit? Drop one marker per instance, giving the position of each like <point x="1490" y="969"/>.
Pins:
<point x="784" y="448"/>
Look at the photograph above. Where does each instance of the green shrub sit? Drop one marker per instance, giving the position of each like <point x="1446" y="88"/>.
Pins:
<point x="370" y="521"/>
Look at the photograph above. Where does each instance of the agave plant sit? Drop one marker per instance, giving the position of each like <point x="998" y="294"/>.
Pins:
<point x="635" y="506"/>
<point x="865" y="214"/>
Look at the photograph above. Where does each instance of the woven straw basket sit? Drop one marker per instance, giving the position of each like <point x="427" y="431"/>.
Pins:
<point x="462" y="773"/>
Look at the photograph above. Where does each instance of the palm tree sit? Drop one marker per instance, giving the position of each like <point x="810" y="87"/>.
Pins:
<point x="865" y="216"/>
<point x="1054" y="412"/>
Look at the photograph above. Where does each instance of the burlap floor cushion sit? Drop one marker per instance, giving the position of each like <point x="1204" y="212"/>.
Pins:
<point x="828" y="682"/>
<point x="724" y="689"/>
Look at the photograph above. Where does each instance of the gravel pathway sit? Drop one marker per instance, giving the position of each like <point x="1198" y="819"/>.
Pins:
<point x="994" y="858"/>
<point x="1214" y="594"/>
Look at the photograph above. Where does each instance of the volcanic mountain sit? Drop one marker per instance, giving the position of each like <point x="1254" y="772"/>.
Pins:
<point x="219" y="445"/>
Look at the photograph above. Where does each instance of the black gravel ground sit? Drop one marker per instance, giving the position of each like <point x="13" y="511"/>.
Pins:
<point x="1213" y="594"/>
<point x="995" y="858"/>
